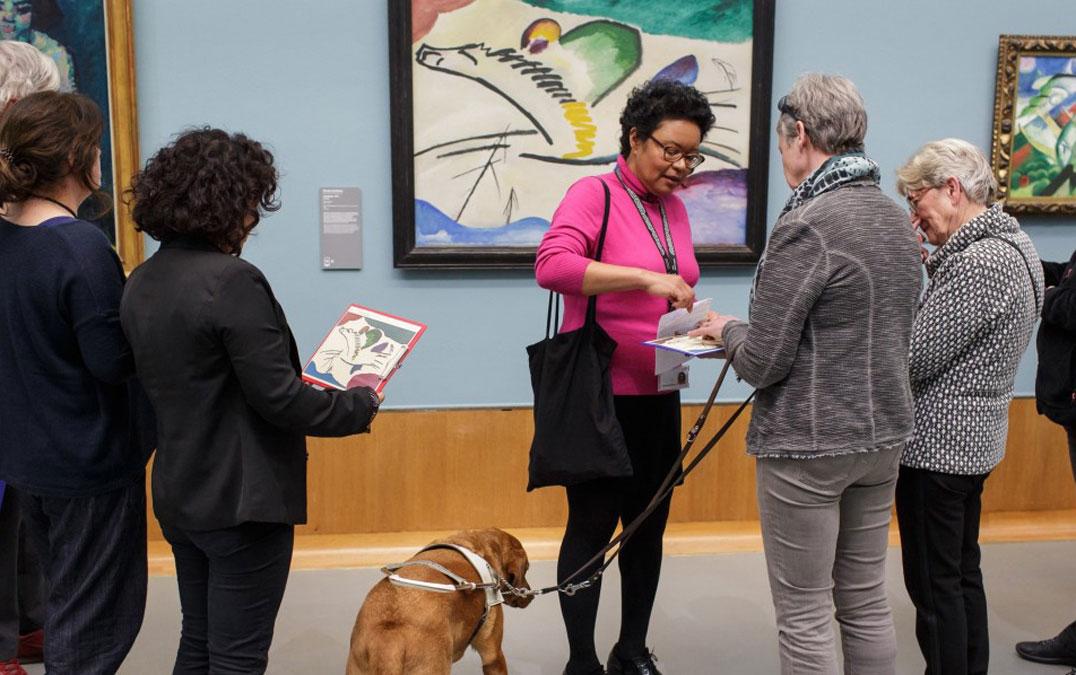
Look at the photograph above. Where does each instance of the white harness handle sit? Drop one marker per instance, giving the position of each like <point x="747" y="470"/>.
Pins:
<point x="489" y="581"/>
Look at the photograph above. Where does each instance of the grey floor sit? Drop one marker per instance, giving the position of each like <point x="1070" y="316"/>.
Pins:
<point x="713" y="615"/>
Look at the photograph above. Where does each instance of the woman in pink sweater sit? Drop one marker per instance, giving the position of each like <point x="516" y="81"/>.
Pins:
<point x="648" y="266"/>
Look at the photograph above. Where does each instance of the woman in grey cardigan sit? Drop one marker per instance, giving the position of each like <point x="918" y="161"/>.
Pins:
<point x="827" y="347"/>
<point x="974" y="323"/>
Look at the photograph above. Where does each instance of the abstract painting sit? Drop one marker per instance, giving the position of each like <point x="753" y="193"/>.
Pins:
<point x="498" y="106"/>
<point x="91" y="45"/>
<point x="363" y="349"/>
<point x="1034" y="141"/>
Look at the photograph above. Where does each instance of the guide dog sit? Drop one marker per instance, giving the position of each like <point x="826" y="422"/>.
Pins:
<point x="402" y="630"/>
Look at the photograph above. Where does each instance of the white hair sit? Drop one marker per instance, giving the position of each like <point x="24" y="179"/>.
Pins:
<point x="936" y="162"/>
<point x="24" y="70"/>
<point x="831" y="109"/>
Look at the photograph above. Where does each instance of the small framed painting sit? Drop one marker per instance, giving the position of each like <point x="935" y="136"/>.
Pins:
<point x="1034" y="139"/>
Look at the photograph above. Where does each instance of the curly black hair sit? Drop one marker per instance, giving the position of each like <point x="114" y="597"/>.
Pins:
<point x="655" y="101"/>
<point x="207" y="184"/>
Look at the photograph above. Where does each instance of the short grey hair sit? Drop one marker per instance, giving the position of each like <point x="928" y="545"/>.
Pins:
<point x="831" y="109"/>
<point x="936" y="162"/>
<point x="24" y="70"/>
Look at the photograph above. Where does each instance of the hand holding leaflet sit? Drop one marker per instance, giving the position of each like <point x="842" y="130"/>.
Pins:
<point x="674" y="347"/>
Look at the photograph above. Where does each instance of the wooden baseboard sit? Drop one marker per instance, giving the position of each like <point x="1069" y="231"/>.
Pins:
<point x="342" y="551"/>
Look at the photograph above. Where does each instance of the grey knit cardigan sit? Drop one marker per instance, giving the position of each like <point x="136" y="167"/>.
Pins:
<point x="830" y="323"/>
<point x="974" y="324"/>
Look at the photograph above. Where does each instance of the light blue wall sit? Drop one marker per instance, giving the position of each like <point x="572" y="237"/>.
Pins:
<point x="311" y="80"/>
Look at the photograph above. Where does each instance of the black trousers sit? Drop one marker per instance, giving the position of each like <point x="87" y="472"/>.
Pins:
<point x="938" y="516"/>
<point x="22" y="585"/>
<point x="93" y="551"/>
<point x="231" y="582"/>
<point x="1068" y="636"/>
<point x="651" y="426"/>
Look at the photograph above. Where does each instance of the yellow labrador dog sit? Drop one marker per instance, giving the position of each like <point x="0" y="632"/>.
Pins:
<point x="401" y="630"/>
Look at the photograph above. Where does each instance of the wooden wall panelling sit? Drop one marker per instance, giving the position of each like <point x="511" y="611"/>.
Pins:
<point x="451" y="469"/>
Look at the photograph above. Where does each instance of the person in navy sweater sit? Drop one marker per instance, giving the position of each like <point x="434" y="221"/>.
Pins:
<point x="23" y="70"/>
<point x="74" y="432"/>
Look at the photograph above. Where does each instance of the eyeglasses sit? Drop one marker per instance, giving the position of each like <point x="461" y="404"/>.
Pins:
<point x="674" y="154"/>
<point x="915" y="196"/>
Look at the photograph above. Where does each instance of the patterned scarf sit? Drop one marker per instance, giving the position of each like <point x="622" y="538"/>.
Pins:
<point x="837" y="171"/>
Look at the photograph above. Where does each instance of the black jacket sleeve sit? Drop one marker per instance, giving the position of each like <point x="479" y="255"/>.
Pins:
<point x="256" y="337"/>
<point x="1059" y="303"/>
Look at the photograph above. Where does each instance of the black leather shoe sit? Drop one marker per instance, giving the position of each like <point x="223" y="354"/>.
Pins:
<point x="598" y="670"/>
<point x="1053" y="651"/>
<point x="637" y="665"/>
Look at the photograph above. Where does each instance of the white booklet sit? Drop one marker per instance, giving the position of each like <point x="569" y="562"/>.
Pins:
<point x="674" y="347"/>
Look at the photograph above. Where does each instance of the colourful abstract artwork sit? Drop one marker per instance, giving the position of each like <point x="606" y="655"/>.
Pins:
<point x="1035" y="123"/>
<point x="363" y="349"/>
<point x="511" y="101"/>
<point x="1043" y="162"/>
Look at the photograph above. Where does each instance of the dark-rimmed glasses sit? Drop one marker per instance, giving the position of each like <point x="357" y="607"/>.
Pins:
<point x="674" y="154"/>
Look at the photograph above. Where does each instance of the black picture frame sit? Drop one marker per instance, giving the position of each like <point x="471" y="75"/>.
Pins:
<point x="408" y="255"/>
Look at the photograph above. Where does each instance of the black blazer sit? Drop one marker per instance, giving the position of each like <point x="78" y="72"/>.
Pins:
<point x="216" y="356"/>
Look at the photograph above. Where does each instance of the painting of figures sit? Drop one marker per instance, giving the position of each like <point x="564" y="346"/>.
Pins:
<point x="78" y="36"/>
<point x="508" y="102"/>
<point x="1035" y="123"/>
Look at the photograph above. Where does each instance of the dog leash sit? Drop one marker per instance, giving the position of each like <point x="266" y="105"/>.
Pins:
<point x="675" y="476"/>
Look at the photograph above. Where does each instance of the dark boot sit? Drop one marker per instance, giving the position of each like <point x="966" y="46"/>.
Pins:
<point x="635" y="665"/>
<point x="1059" y="650"/>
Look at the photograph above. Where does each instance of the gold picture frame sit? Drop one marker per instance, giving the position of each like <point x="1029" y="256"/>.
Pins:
<point x="124" y="112"/>
<point x="1034" y="134"/>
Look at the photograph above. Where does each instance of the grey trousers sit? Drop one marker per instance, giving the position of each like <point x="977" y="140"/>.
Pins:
<point x="825" y="530"/>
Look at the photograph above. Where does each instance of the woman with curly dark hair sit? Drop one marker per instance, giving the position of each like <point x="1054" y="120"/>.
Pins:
<point x="647" y="266"/>
<point x="70" y="438"/>
<point x="220" y="365"/>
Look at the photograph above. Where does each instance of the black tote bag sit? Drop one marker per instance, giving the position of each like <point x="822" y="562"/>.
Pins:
<point x="576" y="434"/>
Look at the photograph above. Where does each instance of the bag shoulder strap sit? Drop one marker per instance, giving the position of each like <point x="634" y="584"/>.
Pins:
<point x="592" y="302"/>
<point x="1027" y="266"/>
<point x="552" y="315"/>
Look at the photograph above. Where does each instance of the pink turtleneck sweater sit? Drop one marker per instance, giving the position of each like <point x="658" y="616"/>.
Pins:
<point x="569" y="246"/>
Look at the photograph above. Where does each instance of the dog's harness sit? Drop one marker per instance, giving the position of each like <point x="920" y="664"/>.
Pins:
<point x="489" y="581"/>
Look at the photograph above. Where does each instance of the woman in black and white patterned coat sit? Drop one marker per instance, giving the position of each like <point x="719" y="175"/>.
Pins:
<point x="974" y="323"/>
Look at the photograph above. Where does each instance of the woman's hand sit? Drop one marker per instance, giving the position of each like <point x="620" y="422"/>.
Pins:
<point x="671" y="287"/>
<point x="712" y="326"/>
<point x="923" y="252"/>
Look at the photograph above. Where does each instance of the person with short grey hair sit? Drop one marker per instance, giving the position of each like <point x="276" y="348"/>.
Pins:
<point x="826" y="345"/>
<point x="974" y="323"/>
<point x="24" y="70"/>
